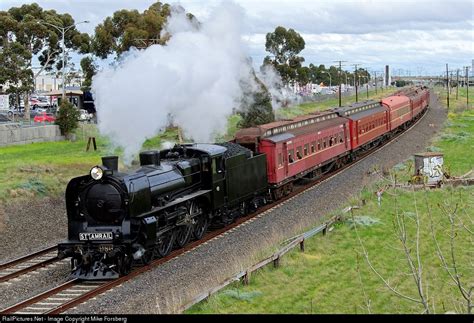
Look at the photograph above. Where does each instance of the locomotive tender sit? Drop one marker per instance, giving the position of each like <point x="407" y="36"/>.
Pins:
<point x="116" y="219"/>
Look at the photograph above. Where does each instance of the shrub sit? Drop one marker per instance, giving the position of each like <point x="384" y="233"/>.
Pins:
<point x="67" y="118"/>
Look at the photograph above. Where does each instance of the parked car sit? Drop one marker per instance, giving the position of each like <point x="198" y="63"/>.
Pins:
<point x="44" y="117"/>
<point x="39" y="102"/>
<point x="84" y="115"/>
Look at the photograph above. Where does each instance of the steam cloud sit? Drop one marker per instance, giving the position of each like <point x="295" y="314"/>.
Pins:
<point x="195" y="79"/>
<point x="280" y="94"/>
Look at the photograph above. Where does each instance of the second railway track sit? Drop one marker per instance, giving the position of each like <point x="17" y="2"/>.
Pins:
<point x="28" y="263"/>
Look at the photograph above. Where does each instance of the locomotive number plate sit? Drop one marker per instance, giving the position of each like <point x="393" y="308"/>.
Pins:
<point x="95" y="236"/>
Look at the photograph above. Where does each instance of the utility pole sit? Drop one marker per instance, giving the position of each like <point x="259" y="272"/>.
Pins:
<point x="63" y="31"/>
<point x="447" y="86"/>
<point x="340" y="71"/>
<point x="367" y="84"/>
<point x="451" y="81"/>
<point x="457" y="83"/>
<point x="375" y="74"/>
<point x="467" y="87"/>
<point x="356" y="80"/>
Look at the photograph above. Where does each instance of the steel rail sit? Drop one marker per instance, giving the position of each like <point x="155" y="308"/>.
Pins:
<point x="27" y="257"/>
<point x="17" y="267"/>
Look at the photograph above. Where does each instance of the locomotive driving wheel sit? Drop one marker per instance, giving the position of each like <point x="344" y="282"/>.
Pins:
<point x="185" y="231"/>
<point x="200" y="227"/>
<point x="165" y="244"/>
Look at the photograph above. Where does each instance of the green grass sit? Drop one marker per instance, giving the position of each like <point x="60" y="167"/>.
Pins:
<point x="332" y="276"/>
<point x="47" y="165"/>
<point x="170" y="135"/>
<point x="457" y="140"/>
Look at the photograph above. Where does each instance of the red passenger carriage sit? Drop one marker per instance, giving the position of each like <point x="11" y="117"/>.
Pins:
<point x="400" y="111"/>
<point x="368" y="122"/>
<point x="304" y="146"/>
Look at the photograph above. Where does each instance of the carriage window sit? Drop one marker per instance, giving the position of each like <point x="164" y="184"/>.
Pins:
<point x="306" y="149"/>
<point x="280" y="159"/>
<point x="313" y="146"/>
<point x="291" y="156"/>
<point x="319" y="144"/>
<point x="325" y="142"/>
<point x="298" y="152"/>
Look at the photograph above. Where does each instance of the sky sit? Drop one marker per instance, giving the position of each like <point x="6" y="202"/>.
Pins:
<point x="412" y="37"/>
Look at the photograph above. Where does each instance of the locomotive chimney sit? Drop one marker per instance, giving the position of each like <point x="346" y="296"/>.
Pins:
<point x="150" y="157"/>
<point x="111" y="162"/>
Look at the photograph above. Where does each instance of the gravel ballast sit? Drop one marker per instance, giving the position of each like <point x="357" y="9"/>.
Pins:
<point x="164" y="288"/>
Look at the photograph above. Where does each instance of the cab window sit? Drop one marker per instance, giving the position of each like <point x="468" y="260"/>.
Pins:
<point x="217" y="165"/>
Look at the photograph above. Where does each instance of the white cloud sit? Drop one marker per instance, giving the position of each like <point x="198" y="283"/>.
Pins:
<point x="402" y="33"/>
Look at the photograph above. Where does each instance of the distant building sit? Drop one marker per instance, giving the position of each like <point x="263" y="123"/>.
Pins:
<point x="47" y="82"/>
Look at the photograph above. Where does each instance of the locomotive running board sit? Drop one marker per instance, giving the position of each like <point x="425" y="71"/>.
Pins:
<point x="182" y="199"/>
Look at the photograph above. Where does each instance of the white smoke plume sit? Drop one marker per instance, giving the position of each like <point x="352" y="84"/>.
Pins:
<point x="281" y="95"/>
<point x="194" y="78"/>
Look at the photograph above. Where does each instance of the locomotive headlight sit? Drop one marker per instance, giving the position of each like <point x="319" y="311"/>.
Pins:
<point x="97" y="173"/>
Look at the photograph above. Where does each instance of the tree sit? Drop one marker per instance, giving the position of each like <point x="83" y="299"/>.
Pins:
<point x="22" y="29"/>
<point x="89" y="68"/>
<point x="285" y="45"/>
<point x="256" y="105"/>
<point x="67" y="118"/>
<point x="14" y="71"/>
<point x="130" y="28"/>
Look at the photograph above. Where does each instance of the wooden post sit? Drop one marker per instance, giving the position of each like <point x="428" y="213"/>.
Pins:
<point x="246" y="278"/>
<point x="302" y="245"/>
<point x="276" y="262"/>
<point x="89" y="141"/>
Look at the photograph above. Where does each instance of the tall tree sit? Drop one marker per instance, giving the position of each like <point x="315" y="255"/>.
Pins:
<point x="26" y="31"/>
<point x="130" y="28"/>
<point x="15" y="71"/>
<point x="89" y="68"/>
<point x="285" y="45"/>
<point x="256" y="105"/>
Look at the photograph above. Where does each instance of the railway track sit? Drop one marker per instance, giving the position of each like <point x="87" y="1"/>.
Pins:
<point x="74" y="292"/>
<point x="28" y="263"/>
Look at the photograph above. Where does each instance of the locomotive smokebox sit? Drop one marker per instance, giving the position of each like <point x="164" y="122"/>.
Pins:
<point x="111" y="162"/>
<point x="150" y="157"/>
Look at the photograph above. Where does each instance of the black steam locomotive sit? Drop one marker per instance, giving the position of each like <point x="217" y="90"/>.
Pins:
<point x="116" y="219"/>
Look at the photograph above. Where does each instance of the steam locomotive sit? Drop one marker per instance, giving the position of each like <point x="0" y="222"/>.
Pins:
<point x="117" y="219"/>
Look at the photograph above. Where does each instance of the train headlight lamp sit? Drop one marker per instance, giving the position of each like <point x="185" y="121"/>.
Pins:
<point x="97" y="173"/>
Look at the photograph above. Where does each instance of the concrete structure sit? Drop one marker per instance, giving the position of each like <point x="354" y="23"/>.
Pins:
<point x="429" y="165"/>
<point x="15" y="134"/>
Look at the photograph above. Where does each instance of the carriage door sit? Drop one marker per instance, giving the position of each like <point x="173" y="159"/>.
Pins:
<point x="346" y="142"/>
<point x="218" y="181"/>
<point x="285" y="158"/>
